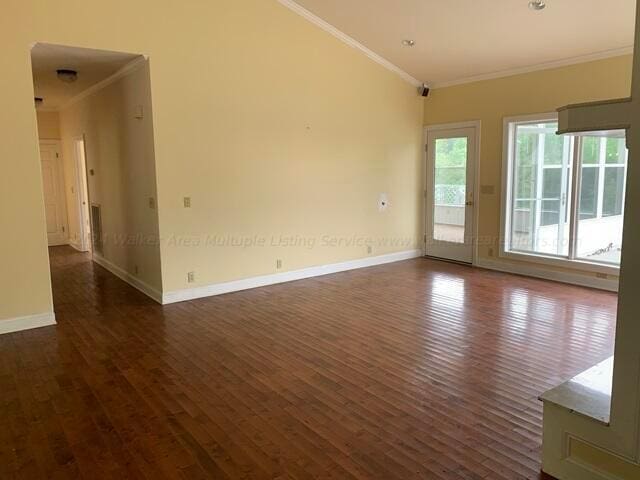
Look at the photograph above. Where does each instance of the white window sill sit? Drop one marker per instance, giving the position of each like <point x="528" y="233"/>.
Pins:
<point x="579" y="265"/>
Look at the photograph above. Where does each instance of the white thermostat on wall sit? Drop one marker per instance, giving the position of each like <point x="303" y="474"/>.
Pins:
<point x="383" y="202"/>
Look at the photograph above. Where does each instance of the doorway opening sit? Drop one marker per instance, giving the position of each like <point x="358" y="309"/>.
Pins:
<point x="452" y="156"/>
<point x="95" y="128"/>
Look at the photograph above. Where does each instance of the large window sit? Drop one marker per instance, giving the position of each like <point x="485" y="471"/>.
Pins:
<point x="565" y="194"/>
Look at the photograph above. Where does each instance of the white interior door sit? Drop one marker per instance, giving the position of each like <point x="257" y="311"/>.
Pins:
<point x="451" y="160"/>
<point x="82" y="195"/>
<point x="53" y="186"/>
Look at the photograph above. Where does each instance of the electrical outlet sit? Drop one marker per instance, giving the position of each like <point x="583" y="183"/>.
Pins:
<point x="278" y="264"/>
<point x="369" y="249"/>
<point x="191" y="277"/>
<point x="491" y="252"/>
<point x="152" y="203"/>
<point x="187" y="202"/>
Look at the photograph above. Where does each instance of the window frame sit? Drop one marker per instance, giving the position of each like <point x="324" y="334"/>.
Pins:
<point x="508" y="153"/>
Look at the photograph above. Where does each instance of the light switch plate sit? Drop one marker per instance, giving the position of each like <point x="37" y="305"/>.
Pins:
<point x="187" y="202"/>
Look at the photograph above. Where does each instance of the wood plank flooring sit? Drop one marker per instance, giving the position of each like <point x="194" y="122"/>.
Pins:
<point x="413" y="370"/>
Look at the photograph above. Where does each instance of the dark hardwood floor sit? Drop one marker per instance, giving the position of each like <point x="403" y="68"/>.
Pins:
<point x="418" y="369"/>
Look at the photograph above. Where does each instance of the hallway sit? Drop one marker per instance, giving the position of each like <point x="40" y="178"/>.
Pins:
<point x="418" y="369"/>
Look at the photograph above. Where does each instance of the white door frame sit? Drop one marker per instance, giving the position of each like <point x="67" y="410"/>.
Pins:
<point x="61" y="187"/>
<point x="477" y="126"/>
<point x="82" y="194"/>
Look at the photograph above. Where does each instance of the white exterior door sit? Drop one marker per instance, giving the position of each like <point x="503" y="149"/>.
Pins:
<point x="450" y="195"/>
<point x="53" y="187"/>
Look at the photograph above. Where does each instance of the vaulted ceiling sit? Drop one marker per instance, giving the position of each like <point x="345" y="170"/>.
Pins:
<point x="457" y="40"/>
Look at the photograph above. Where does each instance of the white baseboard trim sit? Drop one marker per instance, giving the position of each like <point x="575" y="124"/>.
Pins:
<point x="61" y="243"/>
<point x="564" y="277"/>
<point x="129" y="278"/>
<point x="27" y="322"/>
<point x="77" y="246"/>
<point x="272" y="279"/>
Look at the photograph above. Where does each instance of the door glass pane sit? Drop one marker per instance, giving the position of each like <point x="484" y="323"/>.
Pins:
<point x="590" y="150"/>
<point x="616" y="151"/>
<point x="541" y="178"/>
<point x="551" y="193"/>
<point x="450" y="189"/>
<point x="524" y="190"/>
<point x="614" y="179"/>
<point x="589" y="193"/>
<point x="601" y="195"/>
<point x="553" y="146"/>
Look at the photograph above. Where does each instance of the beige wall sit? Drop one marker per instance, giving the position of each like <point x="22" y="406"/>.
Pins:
<point x="300" y="152"/>
<point x="119" y="151"/>
<point x="270" y="124"/>
<point x="48" y="125"/>
<point x="538" y="92"/>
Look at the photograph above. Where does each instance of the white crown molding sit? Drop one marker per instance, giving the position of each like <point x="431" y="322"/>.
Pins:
<point x="303" y="12"/>
<point x="125" y="276"/>
<point x="546" y="274"/>
<point x="28" y="322"/>
<point x="264" y="280"/>
<point x="128" y="68"/>
<point x="534" y="68"/>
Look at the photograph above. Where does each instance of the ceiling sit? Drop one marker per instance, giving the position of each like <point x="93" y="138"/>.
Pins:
<point x="92" y="66"/>
<point x="457" y="40"/>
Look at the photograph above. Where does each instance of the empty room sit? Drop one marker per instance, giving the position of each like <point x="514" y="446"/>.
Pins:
<point x="347" y="239"/>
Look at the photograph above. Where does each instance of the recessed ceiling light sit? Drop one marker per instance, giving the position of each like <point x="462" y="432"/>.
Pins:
<point x="537" y="5"/>
<point x="408" y="43"/>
